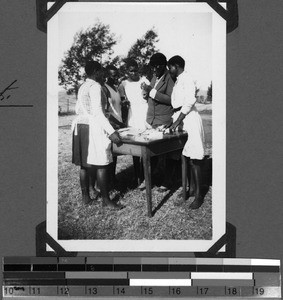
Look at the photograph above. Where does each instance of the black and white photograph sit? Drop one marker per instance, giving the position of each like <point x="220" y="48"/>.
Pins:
<point x="136" y="126"/>
<point x="143" y="214"/>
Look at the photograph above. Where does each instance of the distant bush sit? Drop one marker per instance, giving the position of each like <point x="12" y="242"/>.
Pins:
<point x="209" y="93"/>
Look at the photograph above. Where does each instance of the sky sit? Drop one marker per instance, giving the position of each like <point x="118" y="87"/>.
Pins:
<point x="182" y="30"/>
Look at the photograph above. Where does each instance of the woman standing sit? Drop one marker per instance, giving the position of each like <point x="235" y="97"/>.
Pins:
<point x="115" y="98"/>
<point x="131" y="90"/>
<point x="132" y="93"/>
<point x="92" y="135"/>
<point x="186" y="115"/>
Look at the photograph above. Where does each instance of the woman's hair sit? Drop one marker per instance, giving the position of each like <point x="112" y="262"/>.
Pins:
<point x="158" y="59"/>
<point x="111" y="67"/>
<point x="177" y="60"/>
<point x="132" y="63"/>
<point x="91" y="67"/>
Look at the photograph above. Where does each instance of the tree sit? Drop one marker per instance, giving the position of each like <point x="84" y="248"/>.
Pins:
<point x="209" y="92"/>
<point x="196" y="91"/>
<point x="117" y="61"/>
<point x="94" y="43"/>
<point x="143" y="49"/>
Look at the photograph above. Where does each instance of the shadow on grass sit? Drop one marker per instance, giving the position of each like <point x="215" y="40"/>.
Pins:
<point x="124" y="184"/>
<point x="125" y="180"/>
<point x="164" y="200"/>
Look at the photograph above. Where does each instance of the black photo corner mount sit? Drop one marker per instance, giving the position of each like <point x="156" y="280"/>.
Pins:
<point x="43" y="15"/>
<point x="228" y="240"/>
<point x="43" y="239"/>
<point x="230" y="14"/>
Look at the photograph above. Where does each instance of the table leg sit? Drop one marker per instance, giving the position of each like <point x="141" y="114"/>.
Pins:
<point x="147" y="178"/>
<point x="137" y="169"/>
<point x="184" y="176"/>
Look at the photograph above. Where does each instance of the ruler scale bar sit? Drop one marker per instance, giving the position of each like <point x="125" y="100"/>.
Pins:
<point x="216" y="282"/>
<point x="265" y="262"/>
<point x="90" y="277"/>
<point x="68" y="267"/>
<point x="160" y="282"/>
<point x="159" y="275"/>
<point x="18" y="267"/>
<point x="268" y="279"/>
<point x="29" y="275"/>
<point x="220" y="275"/>
<point x="235" y="268"/>
<point x="44" y="267"/>
<point x="100" y="267"/>
<point x="265" y="269"/>
<point x="97" y="291"/>
<point x="182" y="268"/>
<point x="128" y="267"/>
<point x="60" y="281"/>
<point x="138" y="260"/>
<point x="97" y="275"/>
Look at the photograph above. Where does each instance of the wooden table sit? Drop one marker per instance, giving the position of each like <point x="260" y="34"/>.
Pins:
<point x="137" y="146"/>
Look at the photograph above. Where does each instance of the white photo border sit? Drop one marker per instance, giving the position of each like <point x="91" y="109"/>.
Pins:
<point x="218" y="138"/>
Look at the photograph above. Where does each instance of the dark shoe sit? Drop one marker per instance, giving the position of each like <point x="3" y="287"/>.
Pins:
<point x="85" y="196"/>
<point x="197" y="203"/>
<point x="86" y="199"/>
<point x="94" y="194"/>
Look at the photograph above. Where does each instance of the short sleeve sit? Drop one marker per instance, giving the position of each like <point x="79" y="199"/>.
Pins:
<point x="188" y="90"/>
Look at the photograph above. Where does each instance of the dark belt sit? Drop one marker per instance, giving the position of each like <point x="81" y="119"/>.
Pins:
<point x="177" y="109"/>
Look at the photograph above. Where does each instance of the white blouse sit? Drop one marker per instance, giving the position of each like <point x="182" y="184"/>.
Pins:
<point x="183" y="94"/>
<point x="89" y="105"/>
<point x="115" y="102"/>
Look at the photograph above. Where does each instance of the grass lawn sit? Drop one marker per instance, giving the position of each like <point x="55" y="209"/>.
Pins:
<point x="172" y="217"/>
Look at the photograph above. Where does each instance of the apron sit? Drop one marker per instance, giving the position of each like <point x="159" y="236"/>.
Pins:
<point x="192" y="124"/>
<point x="99" y="147"/>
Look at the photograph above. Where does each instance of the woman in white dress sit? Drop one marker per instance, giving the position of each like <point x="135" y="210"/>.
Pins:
<point x="132" y="93"/>
<point x="92" y="135"/>
<point x="131" y="90"/>
<point x="183" y="101"/>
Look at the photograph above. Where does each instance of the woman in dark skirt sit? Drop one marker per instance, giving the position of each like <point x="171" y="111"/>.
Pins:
<point x="92" y="136"/>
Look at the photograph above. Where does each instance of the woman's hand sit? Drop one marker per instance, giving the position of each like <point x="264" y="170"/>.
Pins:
<point x="115" y="138"/>
<point x="174" y="126"/>
<point x="125" y="103"/>
<point x="147" y="88"/>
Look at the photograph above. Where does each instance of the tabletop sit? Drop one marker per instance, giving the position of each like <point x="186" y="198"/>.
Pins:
<point x="146" y="138"/>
